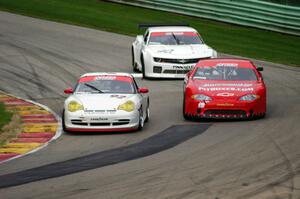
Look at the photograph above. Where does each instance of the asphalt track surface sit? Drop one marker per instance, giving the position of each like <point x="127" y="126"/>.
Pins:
<point x="237" y="159"/>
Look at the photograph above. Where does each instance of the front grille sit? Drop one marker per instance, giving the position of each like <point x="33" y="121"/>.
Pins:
<point x="121" y="122"/>
<point x="157" y="69"/>
<point x="225" y="112"/>
<point x="176" y="71"/>
<point x="100" y="124"/>
<point x="79" y="122"/>
<point x="178" y="61"/>
<point x="99" y="111"/>
<point x="114" y="123"/>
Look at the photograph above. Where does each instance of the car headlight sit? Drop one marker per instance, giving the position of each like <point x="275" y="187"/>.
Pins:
<point x="201" y="97"/>
<point x="74" y="106"/>
<point x="156" y="59"/>
<point x="127" y="106"/>
<point x="249" y="97"/>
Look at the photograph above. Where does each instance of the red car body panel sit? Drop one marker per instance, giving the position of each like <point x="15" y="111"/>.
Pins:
<point x="224" y="94"/>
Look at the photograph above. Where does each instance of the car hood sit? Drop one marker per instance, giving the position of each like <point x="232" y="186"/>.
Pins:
<point x="180" y="51"/>
<point x="226" y="90"/>
<point x="101" y="101"/>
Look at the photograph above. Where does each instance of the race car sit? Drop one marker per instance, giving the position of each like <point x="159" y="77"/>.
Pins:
<point x="168" y="51"/>
<point x="224" y="88"/>
<point x="105" y="102"/>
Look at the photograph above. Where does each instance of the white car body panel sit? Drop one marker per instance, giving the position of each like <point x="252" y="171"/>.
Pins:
<point x="101" y="110"/>
<point x="142" y="51"/>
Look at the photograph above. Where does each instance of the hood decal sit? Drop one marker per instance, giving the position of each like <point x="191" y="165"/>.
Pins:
<point x="118" y="96"/>
<point x="240" y="87"/>
<point x="226" y="89"/>
<point x="181" y="51"/>
<point x="228" y="85"/>
<point x="169" y="51"/>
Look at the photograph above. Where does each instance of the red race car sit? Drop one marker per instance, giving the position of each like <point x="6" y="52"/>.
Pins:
<point x="224" y="88"/>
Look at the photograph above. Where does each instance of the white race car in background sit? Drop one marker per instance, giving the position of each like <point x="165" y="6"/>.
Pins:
<point x="105" y="102"/>
<point x="168" y="51"/>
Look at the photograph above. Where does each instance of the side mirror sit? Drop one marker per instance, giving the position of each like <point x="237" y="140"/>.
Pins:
<point x="140" y="39"/>
<point x="68" y="91"/>
<point x="259" y="68"/>
<point x="143" y="90"/>
<point x="137" y="75"/>
<point x="189" y="73"/>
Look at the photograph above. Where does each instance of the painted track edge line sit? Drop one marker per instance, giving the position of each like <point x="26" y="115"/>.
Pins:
<point x="56" y="136"/>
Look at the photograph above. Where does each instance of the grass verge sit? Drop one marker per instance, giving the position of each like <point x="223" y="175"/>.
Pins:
<point x="5" y="116"/>
<point x="226" y="38"/>
<point x="7" y="125"/>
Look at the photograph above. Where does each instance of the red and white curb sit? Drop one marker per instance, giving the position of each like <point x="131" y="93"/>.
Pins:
<point x="40" y="125"/>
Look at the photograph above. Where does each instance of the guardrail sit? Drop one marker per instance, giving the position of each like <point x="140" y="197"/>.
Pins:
<point x="253" y="13"/>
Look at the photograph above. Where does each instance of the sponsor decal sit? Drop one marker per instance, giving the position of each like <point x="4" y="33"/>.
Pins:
<point x="228" y="85"/>
<point x="105" y="78"/>
<point x="225" y="94"/>
<point x="118" y="96"/>
<point x="183" y="67"/>
<point x="227" y="65"/>
<point x="225" y="104"/>
<point x="169" y="51"/>
<point x="99" y="119"/>
<point x="225" y="89"/>
<point x="160" y="34"/>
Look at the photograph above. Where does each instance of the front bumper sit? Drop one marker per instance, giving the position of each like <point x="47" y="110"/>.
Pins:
<point x="167" y="70"/>
<point x="225" y="110"/>
<point x="113" y="121"/>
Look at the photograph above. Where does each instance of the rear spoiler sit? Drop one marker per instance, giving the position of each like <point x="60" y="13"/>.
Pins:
<point x="161" y="25"/>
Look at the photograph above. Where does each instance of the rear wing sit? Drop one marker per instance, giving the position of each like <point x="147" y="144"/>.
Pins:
<point x="161" y="25"/>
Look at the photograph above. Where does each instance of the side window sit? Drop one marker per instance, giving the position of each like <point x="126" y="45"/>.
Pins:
<point x="146" y="35"/>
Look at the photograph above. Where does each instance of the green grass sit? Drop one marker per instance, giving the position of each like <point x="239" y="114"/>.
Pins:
<point x="9" y="132"/>
<point x="5" y="117"/>
<point x="225" y="38"/>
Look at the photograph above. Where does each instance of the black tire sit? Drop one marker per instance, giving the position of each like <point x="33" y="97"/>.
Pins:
<point x="143" y="67"/>
<point x="141" y="120"/>
<point x="63" y="122"/>
<point x="185" y="116"/>
<point x="147" y="112"/>
<point x="133" y="61"/>
<point x="260" y="116"/>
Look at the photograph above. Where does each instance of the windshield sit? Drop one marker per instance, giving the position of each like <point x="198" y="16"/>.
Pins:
<point x="225" y="72"/>
<point x="105" y="84"/>
<point x="174" y="38"/>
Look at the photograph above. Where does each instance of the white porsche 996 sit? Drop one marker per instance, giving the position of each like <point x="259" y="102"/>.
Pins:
<point x="105" y="102"/>
<point x="168" y="51"/>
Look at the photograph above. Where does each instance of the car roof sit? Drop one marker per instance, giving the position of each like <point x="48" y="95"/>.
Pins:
<point x="171" y="29"/>
<point x="245" y="63"/>
<point x="107" y="73"/>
